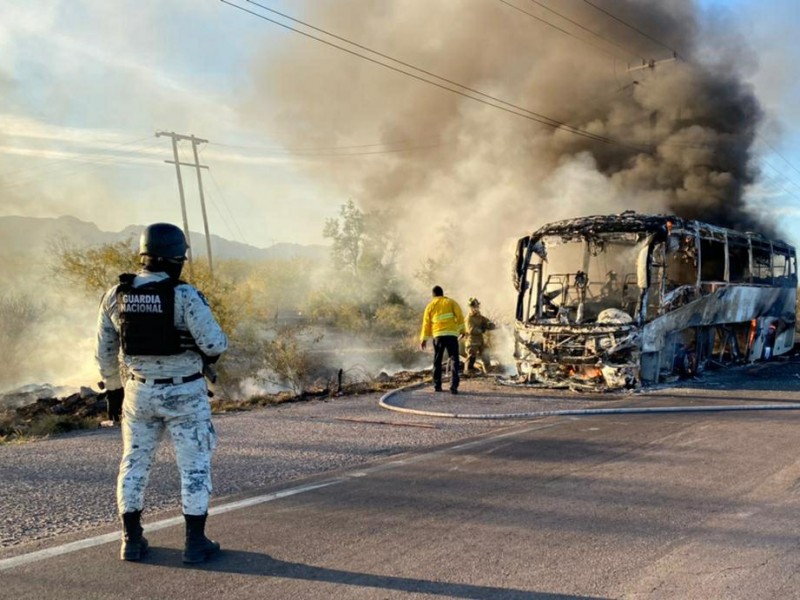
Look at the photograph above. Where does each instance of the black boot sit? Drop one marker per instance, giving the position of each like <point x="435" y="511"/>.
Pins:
<point x="134" y="545"/>
<point x="198" y="547"/>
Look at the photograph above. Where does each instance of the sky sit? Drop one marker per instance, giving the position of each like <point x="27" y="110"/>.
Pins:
<point x="296" y="128"/>
<point x="524" y="112"/>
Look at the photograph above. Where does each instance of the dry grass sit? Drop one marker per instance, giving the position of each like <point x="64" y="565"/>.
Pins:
<point x="15" y="430"/>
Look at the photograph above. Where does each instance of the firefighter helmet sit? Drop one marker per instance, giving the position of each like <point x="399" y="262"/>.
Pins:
<point x="473" y="302"/>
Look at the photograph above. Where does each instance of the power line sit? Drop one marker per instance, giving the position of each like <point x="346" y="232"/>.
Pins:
<point x="786" y="160"/>
<point x="508" y="106"/>
<point x="76" y="158"/>
<point x="636" y="29"/>
<point x="302" y="148"/>
<point x="570" y="34"/>
<point x="782" y="176"/>
<point x="58" y="169"/>
<point x="310" y="152"/>
<point x="777" y="182"/>
<point x="225" y="204"/>
<point x="221" y="216"/>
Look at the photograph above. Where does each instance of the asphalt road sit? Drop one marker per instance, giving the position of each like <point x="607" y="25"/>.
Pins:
<point x="698" y="505"/>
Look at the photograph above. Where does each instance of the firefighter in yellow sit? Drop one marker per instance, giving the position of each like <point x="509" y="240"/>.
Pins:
<point x="476" y="325"/>
<point x="444" y="321"/>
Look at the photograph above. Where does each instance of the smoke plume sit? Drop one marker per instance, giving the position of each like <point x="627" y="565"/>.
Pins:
<point x="674" y="138"/>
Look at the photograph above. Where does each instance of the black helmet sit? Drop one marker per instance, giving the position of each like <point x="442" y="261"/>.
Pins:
<point x="163" y="240"/>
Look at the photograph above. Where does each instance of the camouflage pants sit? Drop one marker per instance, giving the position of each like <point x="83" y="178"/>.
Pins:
<point x="147" y="411"/>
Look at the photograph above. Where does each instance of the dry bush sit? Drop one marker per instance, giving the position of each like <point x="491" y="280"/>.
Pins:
<point x="342" y="315"/>
<point x="93" y="268"/>
<point x="287" y="359"/>
<point x="18" y="317"/>
<point x="15" y="431"/>
<point x="406" y="352"/>
<point x="396" y="320"/>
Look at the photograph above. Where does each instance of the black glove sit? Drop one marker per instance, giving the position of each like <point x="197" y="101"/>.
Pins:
<point x="210" y="360"/>
<point x="114" y="404"/>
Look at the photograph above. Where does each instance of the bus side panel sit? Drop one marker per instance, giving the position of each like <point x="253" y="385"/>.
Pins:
<point x="728" y="305"/>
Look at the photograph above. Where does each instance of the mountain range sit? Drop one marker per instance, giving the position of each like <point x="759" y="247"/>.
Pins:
<point x="26" y="257"/>
<point x="29" y="237"/>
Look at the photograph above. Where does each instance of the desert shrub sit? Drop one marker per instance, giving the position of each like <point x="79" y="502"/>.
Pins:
<point x="53" y="424"/>
<point x="287" y="358"/>
<point x="13" y="430"/>
<point x="19" y="315"/>
<point x="344" y="315"/>
<point x="278" y="285"/>
<point x="6" y="424"/>
<point x="396" y="319"/>
<point x="229" y="302"/>
<point x="94" y="268"/>
<point x="406" y="353"/>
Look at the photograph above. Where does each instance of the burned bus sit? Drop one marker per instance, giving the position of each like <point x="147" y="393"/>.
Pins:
<point x="613" y="302"/>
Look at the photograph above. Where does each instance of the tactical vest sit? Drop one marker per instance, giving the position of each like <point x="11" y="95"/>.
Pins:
<point x="147" y="318"/>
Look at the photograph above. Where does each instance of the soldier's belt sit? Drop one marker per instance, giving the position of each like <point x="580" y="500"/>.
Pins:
<point x="172" y="380"/>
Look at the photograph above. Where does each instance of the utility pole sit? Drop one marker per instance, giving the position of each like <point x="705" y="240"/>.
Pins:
<point x="195" y="141"/>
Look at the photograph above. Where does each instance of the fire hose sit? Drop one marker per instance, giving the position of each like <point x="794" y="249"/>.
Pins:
<point x="384" y="402"/>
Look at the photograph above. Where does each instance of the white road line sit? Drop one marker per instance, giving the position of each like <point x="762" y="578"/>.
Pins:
<point x="23" y="559"/>
<point x="39" y="555"/>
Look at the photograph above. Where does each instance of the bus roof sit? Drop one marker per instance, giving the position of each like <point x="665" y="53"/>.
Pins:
<point x="630" y="221"/>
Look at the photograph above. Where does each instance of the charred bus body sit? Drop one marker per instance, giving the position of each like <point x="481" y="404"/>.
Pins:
<point x="611" y="302"/>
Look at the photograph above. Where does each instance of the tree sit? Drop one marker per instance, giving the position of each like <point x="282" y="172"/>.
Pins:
<point x="347" y="234"/>
<point x="364" y="254"/>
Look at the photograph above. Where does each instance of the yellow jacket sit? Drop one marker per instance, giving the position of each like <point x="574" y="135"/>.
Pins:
<point x="442" y="317"/>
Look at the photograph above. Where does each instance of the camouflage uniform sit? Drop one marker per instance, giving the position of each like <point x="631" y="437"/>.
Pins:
<point x="149" y="407"/>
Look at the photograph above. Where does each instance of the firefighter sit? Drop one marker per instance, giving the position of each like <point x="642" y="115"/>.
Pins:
<point x="167" y="334"/>
<point x="444" y="322"/>
<point x="476" y="325"/>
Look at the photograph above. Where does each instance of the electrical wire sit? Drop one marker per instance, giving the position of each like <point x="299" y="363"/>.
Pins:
<point x="768" y="145"/>
<point x="296" y="152"/>
<point x="775" y="181"/>
<point x="780" y="174"/>
<point x="636" y="29"/>
<point x="210" y="197"/>
<point x="57" y="170"/>
<point x="309" y="148"/>
<point x="35" y="172"/>
<point x="570" y="34"/>
<point x="503" y="105"/>
<point x="225" y="204"/>
<point x="60" y="160"/>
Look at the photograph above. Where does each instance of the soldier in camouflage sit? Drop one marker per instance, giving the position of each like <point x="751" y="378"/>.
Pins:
<point x="167" y="334"/>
